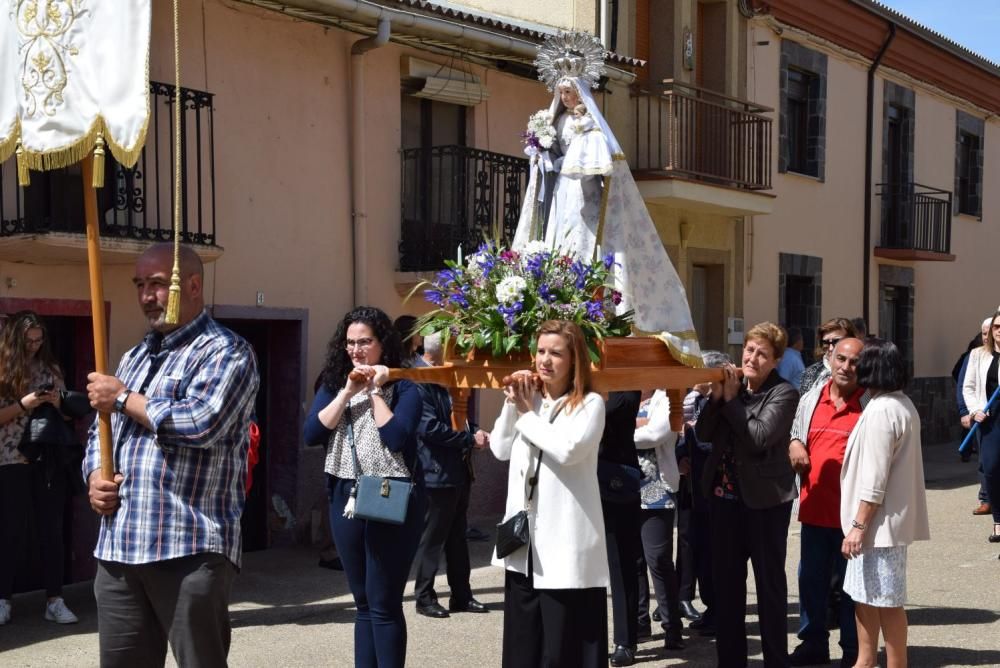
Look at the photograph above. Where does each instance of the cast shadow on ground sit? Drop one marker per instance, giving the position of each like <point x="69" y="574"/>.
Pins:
<point x="931" y="616"/>
<point x="938" y="657"/>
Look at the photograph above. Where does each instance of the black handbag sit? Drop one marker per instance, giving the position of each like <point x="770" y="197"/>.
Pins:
<point x="619" y="483"/>
<point x="513" y="533"/>
<point x="46" y="428"/>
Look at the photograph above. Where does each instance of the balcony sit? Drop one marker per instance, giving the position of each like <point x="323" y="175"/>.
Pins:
<point x="43" y="223"/>
<point x="457" y="196"/>
<point x="701" y="150"/>
<point x="916" y="223"/>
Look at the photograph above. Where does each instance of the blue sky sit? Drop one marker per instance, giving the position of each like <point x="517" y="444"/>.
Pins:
<point x="975" y="24"/>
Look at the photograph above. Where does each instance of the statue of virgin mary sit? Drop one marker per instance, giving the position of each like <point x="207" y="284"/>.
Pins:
<point x="582" y="199"/>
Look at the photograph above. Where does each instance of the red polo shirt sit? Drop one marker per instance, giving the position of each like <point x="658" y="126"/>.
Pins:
<point x="819" y="500"/>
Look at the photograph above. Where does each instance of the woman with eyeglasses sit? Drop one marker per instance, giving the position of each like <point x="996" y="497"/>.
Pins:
<point x="830" y="334"/>
<point x="982" y="376"/>
<point x="357" y="412"/>
<point x="29" y="378"/>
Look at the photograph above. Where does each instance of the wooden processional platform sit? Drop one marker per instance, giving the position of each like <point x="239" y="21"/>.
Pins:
<point x="633" y="363"/>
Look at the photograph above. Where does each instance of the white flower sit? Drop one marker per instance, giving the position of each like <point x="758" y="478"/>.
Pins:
<point x="510" y="289"/>
<point x="535" y="247"/>
<point x="545" y="141"/>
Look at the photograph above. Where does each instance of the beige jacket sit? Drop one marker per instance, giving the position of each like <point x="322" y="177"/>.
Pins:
<point x="974" y="388"/>
<point x="883" y="464"/>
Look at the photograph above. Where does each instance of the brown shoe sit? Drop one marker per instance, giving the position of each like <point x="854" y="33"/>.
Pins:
<point x="983" y="509"/>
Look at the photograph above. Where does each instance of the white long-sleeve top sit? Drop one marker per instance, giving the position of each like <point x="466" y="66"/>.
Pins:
<point x="657" y="435"/>
<point x="564" y="518"/>
<point x="974" y="387"/>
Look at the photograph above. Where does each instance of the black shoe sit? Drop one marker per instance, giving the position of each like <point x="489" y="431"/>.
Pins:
<point x="472" y="533"/>
<point x="673" y="639"/>
<point x="809" y="655"/>
<point x="689" y="612"/>
<point x="848" y="660"/>
<point x="656" y="617"/>
<point x="623" y="656"/>
<point x="472" y="605"/>
<point x="644" y="632"/>
<point x="435" y="610"/>
<point x="333" y="564"/>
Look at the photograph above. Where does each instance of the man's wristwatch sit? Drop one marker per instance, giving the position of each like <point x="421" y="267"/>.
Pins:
<point x="121" y="399"/>
<point x="858" y="525"/>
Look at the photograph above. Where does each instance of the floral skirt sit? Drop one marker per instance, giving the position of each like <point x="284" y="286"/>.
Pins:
<point x="877" y="577"/>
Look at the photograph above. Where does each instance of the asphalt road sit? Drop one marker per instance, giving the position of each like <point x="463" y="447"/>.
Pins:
<point x="288" y="612"/>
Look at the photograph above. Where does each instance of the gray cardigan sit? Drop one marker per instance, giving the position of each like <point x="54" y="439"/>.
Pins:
<point x="807" y="406"/>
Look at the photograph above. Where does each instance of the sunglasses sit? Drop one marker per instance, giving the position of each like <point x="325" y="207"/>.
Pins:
<point x="829" y="343"/>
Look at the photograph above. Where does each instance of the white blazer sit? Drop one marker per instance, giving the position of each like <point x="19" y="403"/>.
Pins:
<point x="883" y="465"/>
<point x="974" y="387"/>
<point x="565" y="517"/>
<point x="656" y="435"/>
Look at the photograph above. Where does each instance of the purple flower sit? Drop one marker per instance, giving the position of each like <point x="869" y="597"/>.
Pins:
<point x="434" y="297"/>
<point x="510" y="312"/>
<point x="595" y="311"/>
<point x="609" y="260"/>
<point x="458" y="299"/>
<point x="616" y="297"/>
<point x="446" y="277"/>
<point x="546" y="293"/>
<point x="534" y="264"/>
<point x="581" y="271"/>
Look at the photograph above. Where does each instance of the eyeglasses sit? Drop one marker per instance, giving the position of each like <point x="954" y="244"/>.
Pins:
<point x="830" y="343"/>
<point x="360" y="344"/>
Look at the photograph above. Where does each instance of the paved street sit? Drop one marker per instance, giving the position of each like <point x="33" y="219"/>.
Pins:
<point x="289" y="612"/>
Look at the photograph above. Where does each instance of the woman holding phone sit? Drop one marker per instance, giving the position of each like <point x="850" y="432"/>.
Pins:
<point x="29" y="378"/>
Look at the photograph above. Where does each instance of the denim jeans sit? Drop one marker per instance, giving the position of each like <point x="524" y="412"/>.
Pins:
<point x="820" y="555"/>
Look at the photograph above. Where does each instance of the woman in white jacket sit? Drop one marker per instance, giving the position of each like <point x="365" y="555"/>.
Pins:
<point x="981" y="379"/>
<point x="555" y="606"/>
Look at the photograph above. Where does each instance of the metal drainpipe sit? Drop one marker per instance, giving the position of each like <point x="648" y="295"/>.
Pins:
<point x="869" y="147"/>
<point x="359" y="196"/>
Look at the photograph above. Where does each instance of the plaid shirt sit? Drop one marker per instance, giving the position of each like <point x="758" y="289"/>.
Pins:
<point x="184" y="482"/>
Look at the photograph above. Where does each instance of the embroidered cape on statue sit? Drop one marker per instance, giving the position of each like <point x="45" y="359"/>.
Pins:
<point x="581" y="192"/>
<point x="74" y="74"/>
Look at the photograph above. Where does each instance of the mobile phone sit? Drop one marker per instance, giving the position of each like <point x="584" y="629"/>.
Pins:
<point x="45" y="388"/>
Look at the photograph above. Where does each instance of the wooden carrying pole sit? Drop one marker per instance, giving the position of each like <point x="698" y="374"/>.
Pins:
<point x="97" y="307"/>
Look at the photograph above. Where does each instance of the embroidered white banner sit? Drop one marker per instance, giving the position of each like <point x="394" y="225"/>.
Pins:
<point x="70" y="69"/>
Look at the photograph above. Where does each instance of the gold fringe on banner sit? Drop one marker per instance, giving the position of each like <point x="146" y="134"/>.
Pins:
<point x="174" y="296"/>
<point x="23" y="173"/>
<point x="97" y="180"/>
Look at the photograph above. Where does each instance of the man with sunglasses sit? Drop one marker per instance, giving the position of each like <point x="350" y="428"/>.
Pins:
<point x="830" y="334"/>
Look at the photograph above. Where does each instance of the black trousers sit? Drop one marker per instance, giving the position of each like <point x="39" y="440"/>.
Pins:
<point x="444" y="531"/>
<point x="26" y="494"/>
<point x="740" y="533"/>
<point x="657" y="531"/>
<point x="621" y="533"/>
<point x="687" y="572"/>
<point x="185" y="600"/>
<point x="553" y="628"/>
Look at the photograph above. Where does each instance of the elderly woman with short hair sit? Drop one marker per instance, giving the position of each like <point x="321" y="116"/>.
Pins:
<point x="883" y="506"/>
<point x="830" y="334"/>
<point x="751" y="483"/>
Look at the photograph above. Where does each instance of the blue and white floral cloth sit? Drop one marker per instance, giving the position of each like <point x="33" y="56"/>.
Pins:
<point x="877" y="577"/>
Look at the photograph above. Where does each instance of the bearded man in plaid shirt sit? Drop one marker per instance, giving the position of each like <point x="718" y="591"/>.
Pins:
<point x="169" y="543"/>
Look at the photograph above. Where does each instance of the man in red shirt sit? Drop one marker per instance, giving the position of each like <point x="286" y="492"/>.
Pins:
<point x="824" y="421"/>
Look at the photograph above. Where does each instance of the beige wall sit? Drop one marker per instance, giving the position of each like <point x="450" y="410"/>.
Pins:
<point x="826" y="219"/>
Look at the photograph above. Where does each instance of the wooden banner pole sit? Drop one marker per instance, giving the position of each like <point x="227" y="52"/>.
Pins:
<point x="97" y="307"/>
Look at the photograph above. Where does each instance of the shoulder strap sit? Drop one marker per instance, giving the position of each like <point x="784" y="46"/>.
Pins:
<point x="350" y="436"/>
<point x="533" y="481"/>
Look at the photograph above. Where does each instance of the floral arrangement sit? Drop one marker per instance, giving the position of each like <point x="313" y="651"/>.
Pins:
<point x="497" y="299"/>
<point x="540" y="133"/>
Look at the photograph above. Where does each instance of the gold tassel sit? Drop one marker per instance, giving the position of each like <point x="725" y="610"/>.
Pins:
<point x="174" y="299"/>
<point x="97" y="181"/>
<point x="23" y="173"/>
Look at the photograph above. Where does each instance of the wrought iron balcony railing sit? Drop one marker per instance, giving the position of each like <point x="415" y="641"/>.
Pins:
<point x="454" y="195"/>
<point x="695" y="133"/>
<point x="135" y="203"/>
<point x="915" y="217"/>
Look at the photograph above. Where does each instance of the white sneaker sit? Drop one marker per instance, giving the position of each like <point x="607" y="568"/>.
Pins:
<point x="4" y="611"/>
<point x="56" y="611"/>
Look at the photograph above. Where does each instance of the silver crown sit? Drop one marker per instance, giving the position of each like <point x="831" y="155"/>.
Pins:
<point x="570" y="54"/>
